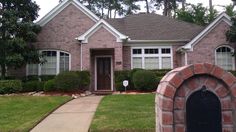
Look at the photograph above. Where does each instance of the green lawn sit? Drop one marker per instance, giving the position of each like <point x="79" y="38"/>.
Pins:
<point x="125" y="113"/>
<point x="20" y="113"/>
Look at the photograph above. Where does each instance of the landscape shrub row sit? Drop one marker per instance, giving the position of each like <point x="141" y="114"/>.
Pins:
<point x="64" y="82"/>
<point x="139" y="79"/>
<point x="10" y="86"/>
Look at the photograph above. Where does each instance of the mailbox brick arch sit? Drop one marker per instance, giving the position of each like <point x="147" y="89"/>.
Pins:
<point x="177" y="85"/>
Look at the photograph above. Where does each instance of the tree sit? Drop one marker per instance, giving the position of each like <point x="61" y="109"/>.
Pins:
<point x="17" y="32"/>
<point x="231" y="33"/>
<point x="197" y="14"/>
<point x="169" y="6"/>
<point x="229" y="10"/>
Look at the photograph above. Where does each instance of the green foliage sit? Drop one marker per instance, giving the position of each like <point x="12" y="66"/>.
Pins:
<point x="231" y="33"/>
<point x="67" y="81"/>
<point x="17" y="31"/>
<point x="10" y="86"/>
<point x="229" y="10"/>
<point x="84" y="79"/>
<point x="120" y="76"/>
<point x="197" y="14"/>
<point x="32" y="86"/>
<point x="49" y="86"/>
<point x="47" y="77"/>
<point x="145" y="80"/>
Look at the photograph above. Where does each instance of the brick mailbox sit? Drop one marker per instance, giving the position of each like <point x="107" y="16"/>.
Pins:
<point x="196" y="98"/>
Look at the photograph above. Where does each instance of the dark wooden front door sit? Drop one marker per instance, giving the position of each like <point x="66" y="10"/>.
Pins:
<point x="104" y="73"/>
<point x="203" y="112"/>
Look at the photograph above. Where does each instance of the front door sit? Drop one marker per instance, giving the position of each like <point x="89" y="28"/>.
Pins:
<point x="203" y="112"/>
<point x="103" y="73"/>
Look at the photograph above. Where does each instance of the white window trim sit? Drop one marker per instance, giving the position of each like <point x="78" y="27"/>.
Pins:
<point x="112" y="74"/>
<point x="58" y="62"/>
<point x="159" y="55"/>
<point x="232" y="49"/>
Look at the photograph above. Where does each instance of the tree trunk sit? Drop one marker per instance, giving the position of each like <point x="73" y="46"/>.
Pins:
<point x="3" y="71"/>
<point x="165" y="7"/>
<point x="210" y="5"/>
<point x="147" y="6"/>
<point x="183" y="4"/>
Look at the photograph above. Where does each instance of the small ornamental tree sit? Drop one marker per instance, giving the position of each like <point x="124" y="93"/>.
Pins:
<point x="17" y="32"/>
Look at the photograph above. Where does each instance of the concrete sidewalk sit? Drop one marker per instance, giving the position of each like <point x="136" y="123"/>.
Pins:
<point x="74" y="116"/>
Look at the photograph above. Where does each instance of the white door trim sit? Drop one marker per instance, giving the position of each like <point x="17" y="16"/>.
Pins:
<point x="95" y="70"/>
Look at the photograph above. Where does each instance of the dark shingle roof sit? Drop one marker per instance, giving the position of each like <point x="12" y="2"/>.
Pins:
<point x="155" y="27"/>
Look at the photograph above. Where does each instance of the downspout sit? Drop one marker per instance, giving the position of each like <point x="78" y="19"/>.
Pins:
<point x="186" y="58"/>
<point x="81" y="56"/>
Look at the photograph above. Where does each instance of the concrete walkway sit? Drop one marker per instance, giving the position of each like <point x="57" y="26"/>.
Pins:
<point x="74" y="116"/>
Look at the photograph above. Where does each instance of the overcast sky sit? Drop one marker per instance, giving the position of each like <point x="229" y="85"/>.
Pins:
<point x="47" y="5"/>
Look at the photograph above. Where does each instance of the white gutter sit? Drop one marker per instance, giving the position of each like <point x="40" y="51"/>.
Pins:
<point x="158" y="41"/>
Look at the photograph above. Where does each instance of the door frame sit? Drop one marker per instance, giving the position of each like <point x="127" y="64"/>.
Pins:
<point x="95" y="70"/>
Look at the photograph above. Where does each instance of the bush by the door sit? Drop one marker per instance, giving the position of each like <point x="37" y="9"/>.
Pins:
<point x="67" y="81"/>
<point x="145" y="80"/>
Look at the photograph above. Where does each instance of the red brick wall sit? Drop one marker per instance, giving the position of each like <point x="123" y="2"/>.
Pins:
<point x="102" y="39"/>
<point x="204" y="50"/>
<point x="175" y="88"/>
<point x="61" y="31"/>
<point x="127" y="57"/>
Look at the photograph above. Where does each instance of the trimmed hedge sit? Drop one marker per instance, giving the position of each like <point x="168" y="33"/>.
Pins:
<point x="49" y="86"/>
<point x="84" y="79"/>
<point x="32" y="86"/>
<point x="120" y="76"/>
<point x="67" y="81"/>
<point x="145" y="80"/>
<point x="10" y="86"/>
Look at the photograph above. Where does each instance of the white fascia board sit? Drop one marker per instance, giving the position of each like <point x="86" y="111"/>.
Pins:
<point x="158" y="41"/>
<point x="221" y="17"/>
<point x="98" y="25"/>
<point x="60" y="7"/>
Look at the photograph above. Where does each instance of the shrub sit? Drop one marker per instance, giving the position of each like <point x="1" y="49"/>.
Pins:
<point x="120" y="76"/>
<point x="49" y="86"/>
<point x="32" y="86"/>
<point x="10" y="86"/>
<point x="131" y="77"/>
<point x="67" y="81"/>
<point x="32" y="78"/>
<point x="45" y="78"/>
<point x="84" y="79"/>
<point x="145" y="80"/>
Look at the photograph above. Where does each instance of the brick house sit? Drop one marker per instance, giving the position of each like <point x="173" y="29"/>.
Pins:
<point x="73" y="38"/>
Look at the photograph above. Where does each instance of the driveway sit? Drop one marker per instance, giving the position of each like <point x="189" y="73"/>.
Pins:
<point x="74" y="116"/>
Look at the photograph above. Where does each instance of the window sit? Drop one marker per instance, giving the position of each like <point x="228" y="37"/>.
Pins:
<point x="50" y="67"/>
<point x="137" y="51"/>
<point x="56" y="62"/>
<point x="152" y="58"/>
<point x="152" y="62"/>
<point x="137" y="62"/>
<point x="224" y="57"/>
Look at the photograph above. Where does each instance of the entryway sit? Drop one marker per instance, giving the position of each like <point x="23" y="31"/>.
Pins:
<point x="103" y="73"/>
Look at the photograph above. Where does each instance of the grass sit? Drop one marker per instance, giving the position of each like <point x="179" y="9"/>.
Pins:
<point x="21" y="113"/>
<point x="125" y="113"/>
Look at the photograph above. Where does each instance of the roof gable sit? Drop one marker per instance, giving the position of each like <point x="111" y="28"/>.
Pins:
<point x="98" y="25"/>
<point x="222" y="17"/>
<point x="60" y="7"/>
